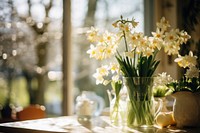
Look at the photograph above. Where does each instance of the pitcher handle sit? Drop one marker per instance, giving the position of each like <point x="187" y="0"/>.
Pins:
<point x="160" y="101"/>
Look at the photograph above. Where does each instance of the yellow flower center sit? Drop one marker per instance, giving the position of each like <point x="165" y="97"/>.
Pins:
<point x="158" y="35"/>
<point x="171" y="37"/>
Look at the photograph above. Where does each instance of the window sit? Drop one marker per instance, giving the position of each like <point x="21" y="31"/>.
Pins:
<point x="30" y="53"/>
<point x="39" y="34"/>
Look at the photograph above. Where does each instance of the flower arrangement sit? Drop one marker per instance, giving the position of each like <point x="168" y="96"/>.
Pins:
<point x="191" y="79"/>
<point x="186" y="92"/>
<point x="135" y="56"/>
<point x="138" y="58"/>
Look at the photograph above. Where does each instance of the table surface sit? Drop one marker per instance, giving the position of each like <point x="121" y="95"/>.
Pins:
<point x="70" y="124"/>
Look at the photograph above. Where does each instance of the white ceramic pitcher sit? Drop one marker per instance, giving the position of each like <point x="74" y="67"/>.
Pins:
<point x="89" y="104"/>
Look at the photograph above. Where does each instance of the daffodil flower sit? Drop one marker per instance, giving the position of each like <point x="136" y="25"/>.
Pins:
<point x="187" y="60"/>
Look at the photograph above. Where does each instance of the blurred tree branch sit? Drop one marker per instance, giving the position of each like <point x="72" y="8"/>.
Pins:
<point x="42" y="42"/>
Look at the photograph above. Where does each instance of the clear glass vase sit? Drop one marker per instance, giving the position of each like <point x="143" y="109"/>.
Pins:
<point x="140" y="103"/>
<point x="117" y="108"/>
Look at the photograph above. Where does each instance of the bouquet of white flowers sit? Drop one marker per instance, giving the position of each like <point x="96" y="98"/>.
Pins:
<point x="135" y="56"/>
<point x="190" y="80"/>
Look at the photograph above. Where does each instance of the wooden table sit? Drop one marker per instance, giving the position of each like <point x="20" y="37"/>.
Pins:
<point x="70" y="124"/>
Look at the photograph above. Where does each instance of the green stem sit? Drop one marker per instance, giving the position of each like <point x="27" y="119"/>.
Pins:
<point x="126" y="45"/>
<point x="140" y="102"/>
<point x="115" y="112"/>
